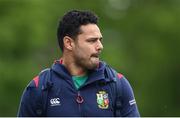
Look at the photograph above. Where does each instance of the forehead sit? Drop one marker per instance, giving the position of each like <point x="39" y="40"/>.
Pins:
<point x="90" y="31"/>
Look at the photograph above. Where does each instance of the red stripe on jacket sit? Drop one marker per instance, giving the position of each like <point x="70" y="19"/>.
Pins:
<point x="36" y="81"/>
<point x="119" y="75"/>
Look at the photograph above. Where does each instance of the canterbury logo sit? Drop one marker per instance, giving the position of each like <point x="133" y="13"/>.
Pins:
<point x="55" y="102"/>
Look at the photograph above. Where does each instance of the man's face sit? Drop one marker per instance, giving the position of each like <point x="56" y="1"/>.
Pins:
<point x="88" y="46"/>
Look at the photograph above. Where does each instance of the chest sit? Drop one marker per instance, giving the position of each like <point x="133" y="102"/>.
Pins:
<point x="91" y="100"/>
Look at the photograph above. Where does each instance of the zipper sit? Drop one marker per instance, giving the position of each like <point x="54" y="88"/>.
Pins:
<point x="79" y="100"/>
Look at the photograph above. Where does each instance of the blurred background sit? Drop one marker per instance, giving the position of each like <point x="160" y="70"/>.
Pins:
<point x="141" y="40"/>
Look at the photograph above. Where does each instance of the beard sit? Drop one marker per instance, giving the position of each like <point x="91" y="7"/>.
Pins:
<point x="87" y="63"/>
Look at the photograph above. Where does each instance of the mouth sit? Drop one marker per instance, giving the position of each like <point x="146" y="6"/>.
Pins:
<point x="95" y="55"/>
<point x="95" y="58"/>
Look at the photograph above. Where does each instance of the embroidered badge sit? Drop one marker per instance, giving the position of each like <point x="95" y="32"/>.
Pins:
<point x="55" y="102"/>
<point x="102" y="99"/>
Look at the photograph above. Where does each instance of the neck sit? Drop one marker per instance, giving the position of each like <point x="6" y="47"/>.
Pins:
<point x="72" y="67"/>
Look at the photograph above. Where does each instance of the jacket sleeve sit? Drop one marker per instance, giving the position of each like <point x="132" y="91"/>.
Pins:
<point x="27" y="105"/>
<point x="129" y="106"/>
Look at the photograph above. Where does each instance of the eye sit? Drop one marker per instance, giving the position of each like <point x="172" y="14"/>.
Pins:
<point x="92" y="40"/>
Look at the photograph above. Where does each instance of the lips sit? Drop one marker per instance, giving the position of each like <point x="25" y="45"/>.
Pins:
<point x="95" y="58"/>
<point x="95" y="55"/>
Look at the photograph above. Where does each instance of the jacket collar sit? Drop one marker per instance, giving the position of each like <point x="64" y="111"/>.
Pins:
<point x="94" y="75"/>
<point x="61" y="70"/>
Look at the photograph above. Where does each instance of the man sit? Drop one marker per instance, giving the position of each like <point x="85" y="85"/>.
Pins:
<point x="77" y="84"/>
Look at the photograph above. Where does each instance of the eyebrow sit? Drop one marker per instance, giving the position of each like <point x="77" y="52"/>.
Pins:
<point x="94" y="38"/>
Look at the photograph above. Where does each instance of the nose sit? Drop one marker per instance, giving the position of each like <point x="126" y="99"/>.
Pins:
<point x="99" y="46"/>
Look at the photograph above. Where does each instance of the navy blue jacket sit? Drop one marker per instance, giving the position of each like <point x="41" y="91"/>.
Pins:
<point x="91" y="99"/>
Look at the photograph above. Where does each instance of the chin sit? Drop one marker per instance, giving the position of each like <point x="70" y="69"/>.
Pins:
<point x="93" y="66"/>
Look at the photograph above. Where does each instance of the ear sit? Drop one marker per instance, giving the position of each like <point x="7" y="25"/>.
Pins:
<point x="68" y="42"/>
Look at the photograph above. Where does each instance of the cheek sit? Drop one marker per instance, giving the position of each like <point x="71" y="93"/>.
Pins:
<point x="80" y="53"/>
<point x="84" y="54"/>
<point x="85" y="50"/>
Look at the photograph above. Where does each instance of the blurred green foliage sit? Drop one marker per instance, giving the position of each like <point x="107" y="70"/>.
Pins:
<point x="141" y="40"/>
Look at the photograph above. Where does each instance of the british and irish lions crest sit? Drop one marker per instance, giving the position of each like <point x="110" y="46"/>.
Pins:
<point x="102" y="99"/>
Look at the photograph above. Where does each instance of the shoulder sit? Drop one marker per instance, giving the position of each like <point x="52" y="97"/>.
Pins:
<point x="37" y="80"/>
<point x="124" y="83"/>
<point x="119" y="78"/>
<point x="111" y="72"/>
<point x="126" y="88"/>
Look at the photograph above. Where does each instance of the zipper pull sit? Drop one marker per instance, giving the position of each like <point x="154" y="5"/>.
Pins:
<point x="79" y="98"/>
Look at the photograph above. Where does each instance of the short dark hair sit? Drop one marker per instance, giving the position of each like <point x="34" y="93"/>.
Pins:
<point x="70" y="24"/>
